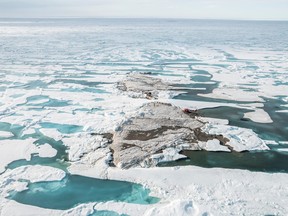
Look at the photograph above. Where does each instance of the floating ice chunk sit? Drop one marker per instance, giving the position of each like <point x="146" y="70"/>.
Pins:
<point x="259" y="116"/>
<point x="169" y="154"/>
<point x="28" y="131"/>
<point x="46" y="150"/>
<point x="52" y="133"/>
<point x="6" y="134"/>
<point x="40" y="101"/>
<point x="281" y="111"/>
<point x="283" y="149"/>
<point x="252" y="105"/>
<point x="17" y="149"/>
<point x="21" y="149"/>
<point x="234" y="94"/>
<point x="214" y="120"/>
<point x="168" y="94"/>
<point x="213" y="145"/>
<point x="197" y="104"/>
<point x="270" y="142"/>
<point x="240" y="139"/>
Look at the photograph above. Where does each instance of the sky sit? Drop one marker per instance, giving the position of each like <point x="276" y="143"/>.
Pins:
<point x="195" y="9"/>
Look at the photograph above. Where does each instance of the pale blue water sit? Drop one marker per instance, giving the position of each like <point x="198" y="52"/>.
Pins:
<point x="59" y="56"/>
<point x="63" y="128"/>
<point x="74" y="190"/>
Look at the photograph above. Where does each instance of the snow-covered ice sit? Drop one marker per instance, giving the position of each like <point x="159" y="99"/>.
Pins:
<point x="68" y="80"/>
<point x="259" y="115"/>
<point x="5" y="134"/>
<point x="21" y="149"/>
<point x="240" y="139"/>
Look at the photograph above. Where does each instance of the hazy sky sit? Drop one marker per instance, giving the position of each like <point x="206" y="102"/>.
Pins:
<point x="211" y="9"/>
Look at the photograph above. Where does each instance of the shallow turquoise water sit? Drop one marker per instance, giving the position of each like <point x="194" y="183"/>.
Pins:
<point x="32" y="101"/>
<point x="59" y="161"/>
<point x="74" y="190"/>
<point x="15" y="129"/>
<point x="63" y="128"/>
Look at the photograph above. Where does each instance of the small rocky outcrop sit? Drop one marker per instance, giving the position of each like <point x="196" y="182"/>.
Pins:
<point x="143" y="86"/>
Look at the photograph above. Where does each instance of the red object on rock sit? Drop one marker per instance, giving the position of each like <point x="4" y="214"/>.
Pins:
<point x="186" y="110"/>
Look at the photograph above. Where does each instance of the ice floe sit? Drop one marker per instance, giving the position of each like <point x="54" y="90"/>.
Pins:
<point x="240" y="139"/>
<point x="6" y="134"/>
<point x="259" y="116"/>
<point x="21" y="149"/>
<point x="46" y="150"/>
<point x="213" y="145"/>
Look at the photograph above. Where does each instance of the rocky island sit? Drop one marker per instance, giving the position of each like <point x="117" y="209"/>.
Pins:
<point x="158" y="132"/>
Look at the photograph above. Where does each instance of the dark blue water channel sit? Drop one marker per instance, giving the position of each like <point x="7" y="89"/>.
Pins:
<point x="267" y="161"/>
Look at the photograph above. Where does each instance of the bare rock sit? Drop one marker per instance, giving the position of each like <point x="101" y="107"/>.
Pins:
<point x="143" y="86"/>
<point x="157" y="127"/>
<point x="160" y="131"/>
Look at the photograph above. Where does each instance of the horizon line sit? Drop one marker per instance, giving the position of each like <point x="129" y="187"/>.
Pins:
<point x="156" y="18"/>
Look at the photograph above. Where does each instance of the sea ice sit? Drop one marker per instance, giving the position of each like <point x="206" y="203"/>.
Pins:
<point x="175" y="207"/>
<point x="46" y="150"/>
<point x="240" y="139"/>
<point x="6" y="134"/>
<point x="21" y="149"/>
<point x="213" y="145"/>
<point x="238" y="73"/>
<point x="259" y="116"/>
<point x="52" y="133"/>
<point x="17" y="180"/>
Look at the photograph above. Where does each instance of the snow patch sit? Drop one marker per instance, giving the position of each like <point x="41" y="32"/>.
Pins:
<point x="176" y="207"/>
